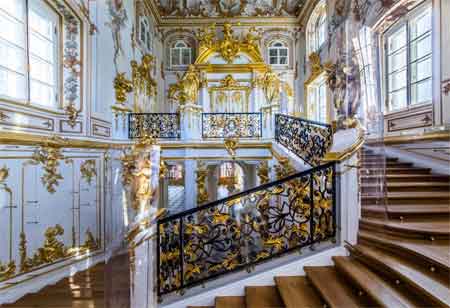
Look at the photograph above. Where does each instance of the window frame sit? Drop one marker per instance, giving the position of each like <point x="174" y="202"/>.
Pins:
<point x="319" y="81"/>
<point x="278" y="55"/>
<point x="405" y="21"/>
<point x="180" y="54"/>
<point x="313" y="27"/>
<point x="57" y="58"/>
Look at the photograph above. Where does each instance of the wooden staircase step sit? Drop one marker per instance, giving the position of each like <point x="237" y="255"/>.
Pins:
<point x="406" y="272"/>
<point x="439" y="229"/>
<point x="230" y="302"/>
<point x="409" y="198"/>
<point x="334" y="290"/>
<point x="263" y="297"/>
<point x="436" y="252"/>
<point x="377" y="164"/>
<point x="375" y="287"/>
<point x="200" y="306"/>
<point x="407" y="186"/>
<point x="407" y="178"/>
<point x="396" y="211"/>
<point x="297" y="291"/>
<point x="395" y="170"/>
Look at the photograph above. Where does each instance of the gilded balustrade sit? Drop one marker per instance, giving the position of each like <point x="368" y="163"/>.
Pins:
<point x="247" y="228"/>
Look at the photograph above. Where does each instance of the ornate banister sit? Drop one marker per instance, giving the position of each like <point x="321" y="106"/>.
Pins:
<point x="309" y="140"/>
<point x="156" y="125"/>
<point x="245" y="229"/>
<point x="232" y="125"/>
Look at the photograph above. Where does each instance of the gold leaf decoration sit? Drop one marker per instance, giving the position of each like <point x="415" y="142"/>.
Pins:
<point x="88" y="170"/>
<point x="48" y="157"/>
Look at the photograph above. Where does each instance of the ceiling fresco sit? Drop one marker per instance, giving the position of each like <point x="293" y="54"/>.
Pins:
<point x="230" y="8"/>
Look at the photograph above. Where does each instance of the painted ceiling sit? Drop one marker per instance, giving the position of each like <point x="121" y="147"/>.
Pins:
<point x="230" y="8"/>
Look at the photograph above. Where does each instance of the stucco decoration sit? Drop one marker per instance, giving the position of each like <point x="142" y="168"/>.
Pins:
<point x="117" y="23"/>
<point x="72" y="64"/>
<point x="229" y="8"/>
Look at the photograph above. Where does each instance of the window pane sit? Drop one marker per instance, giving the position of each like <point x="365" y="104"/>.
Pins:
<point x="397" y="80"/>
<point x="15" y="8"/>
<point x="12" y="84"/>
<point x="397" y="40"/>
<point x="283" y="52"/>
<point x="420" y="24"/>
<point x="273" y="60"/>
<point x="272" y="52"/>
<point x="421" y="70"/>
<point x="175" y="56"/>
<point x="421" y="92"/>
<point x="42" y="25"/>
<point x="41" y="94"/>
<point x="12" y="57"/>
<point x="421" y="48"/>
<point x="397" y="100"/>
<point x="186" y="56"/>
<point x="397" y="61"/>
<point x="42" y="48"/>
<point x="42" y="71"/>
<point x="12" y="30"/>
<point x="283" y="60"/>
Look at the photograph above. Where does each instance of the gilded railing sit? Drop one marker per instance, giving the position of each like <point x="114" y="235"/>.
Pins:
<point x="156" y="125"/>
<point x="232" y="125"/>
<point x="309" y="140"/>
<point x="247" y="228"/>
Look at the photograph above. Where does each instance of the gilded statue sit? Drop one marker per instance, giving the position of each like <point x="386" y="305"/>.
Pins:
<point x="252" y="40"/>
<point x="229" y="47"/>
<point x="122" y="86"/>
<point x="202" y="193"/>
<point x="263" y="172"/>
<point x="206" y="36"/>
<point x="186" y="89"/>
<point x="271" y="86"/>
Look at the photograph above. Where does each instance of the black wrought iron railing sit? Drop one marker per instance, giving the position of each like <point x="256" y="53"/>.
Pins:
<point x="232" y="125"/>
<point x="245" y="229"/>
<point x="157" y="125"/>
<point x="309" y="140"/>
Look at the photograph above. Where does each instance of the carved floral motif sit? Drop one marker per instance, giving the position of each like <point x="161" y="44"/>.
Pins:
<point x="48" y="157"/>
<point x="88" y="170"/>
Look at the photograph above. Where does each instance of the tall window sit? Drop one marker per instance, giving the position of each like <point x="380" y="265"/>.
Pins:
<point x="408" y="47"/>
<point x="180" y="54"/>
<point x="29" y="52"/>
<point x="145" y="36"/>
<point x="317" y="99"/>
<point x="278" y="54"/>
<point x="317" y="28"/>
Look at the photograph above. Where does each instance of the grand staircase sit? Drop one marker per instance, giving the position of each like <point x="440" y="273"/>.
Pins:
<point x="402" y="258"/>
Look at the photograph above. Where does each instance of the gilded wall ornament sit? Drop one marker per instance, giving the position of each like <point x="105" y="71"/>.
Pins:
<point x="72" y="114"/>
<point x="25" y="262"/>
<point x="4" y="173"/>
<point x="7" y="270"/>
<point x="53" y="249"/>
<point x="88" y="170"/>
<point x="231" y="145"/>
<point x="90" y="243"/>
<point x="143" y="82"/>
<point x="284" y="168"/>
<point x="48" y="157"/>
<point x="272" y="86"/>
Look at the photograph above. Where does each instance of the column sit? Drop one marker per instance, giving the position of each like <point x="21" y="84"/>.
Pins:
<point x="190" y="185"/>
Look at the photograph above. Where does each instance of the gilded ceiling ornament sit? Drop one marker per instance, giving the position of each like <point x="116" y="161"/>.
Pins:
<point x="202" y="193"/>
<point x="49" y="156"/>
<point x="72" y="113"/>
<point x="88" y="170"/>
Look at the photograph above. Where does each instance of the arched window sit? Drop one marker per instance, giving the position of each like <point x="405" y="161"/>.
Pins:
<point x="145" y="36"/>
<point x="317" y="28"/>
<point x="180" y="54"/>
<point x="278" y="53"/>
<point x="29" y="41"/>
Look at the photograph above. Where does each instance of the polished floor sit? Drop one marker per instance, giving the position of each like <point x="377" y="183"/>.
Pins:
<point x="93" y="288"/>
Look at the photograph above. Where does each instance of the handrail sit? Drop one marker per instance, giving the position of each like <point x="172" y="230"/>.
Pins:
<point x="158" y="125"/>
<point x="309" y="140"/>
<point x="232" y="125"/>
<point x="246" y="228"/>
